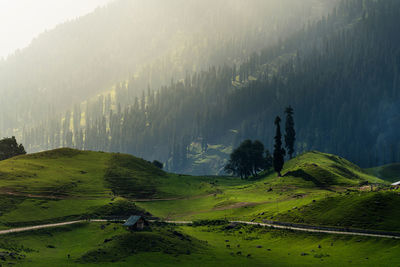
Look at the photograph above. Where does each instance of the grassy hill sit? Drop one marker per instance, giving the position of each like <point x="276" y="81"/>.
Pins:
<point x="68" y="173"/>
<point x="110" y="244"/>
<point x="326" y="170"/>
<point x="65" y="172"/>
<point x="65" y="183"/>
<point x="389" y="172"/>
<point x="366" y="210"/>
<point x="307" y="178"/>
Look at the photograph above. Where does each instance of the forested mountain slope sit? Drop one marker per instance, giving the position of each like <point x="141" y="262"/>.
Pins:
<point x="340" y="74"/>
<point x="148" y="41"/>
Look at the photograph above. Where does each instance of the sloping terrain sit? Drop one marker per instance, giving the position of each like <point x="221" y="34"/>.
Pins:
<point x="389" y="172"/>
<point x="110" y="244"/>
<point x="367" y="210"/>
<point x="58" y="173"/>
<point x="63" y="184"/>
<point x="137" y="38"/>
<point x="325" y="193"/>
<point x="68" y="173"/>
<point x="324" y="170"/>
<point x="307" y="178"/>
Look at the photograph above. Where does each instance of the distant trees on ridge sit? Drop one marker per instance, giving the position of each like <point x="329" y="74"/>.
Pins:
<point x="251" y="157"/>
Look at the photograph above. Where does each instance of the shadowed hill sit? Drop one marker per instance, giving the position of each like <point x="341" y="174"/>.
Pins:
<point x="132" y="177"/>
<point x="389" y="172"/>
<point x="67" y="172"/>
<point x="325" y="170"/>
<point x="63" y="173"/>
<point x="372" y="210"/>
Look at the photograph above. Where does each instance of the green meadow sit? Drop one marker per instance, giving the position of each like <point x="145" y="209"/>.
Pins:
<point x="315" y="189"/>
<point x="111" y="245"/>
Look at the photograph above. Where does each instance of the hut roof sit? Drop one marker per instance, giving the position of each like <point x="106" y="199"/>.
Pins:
<point x="398" y="183"/>
<point x="132" y="220"/>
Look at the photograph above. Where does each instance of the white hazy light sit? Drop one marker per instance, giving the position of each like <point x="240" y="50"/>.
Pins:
<point x="22" y="20"/>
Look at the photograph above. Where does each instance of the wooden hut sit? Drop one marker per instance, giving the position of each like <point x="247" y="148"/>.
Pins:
<point x="135" y="222"/>
<point x="396" y="185"/>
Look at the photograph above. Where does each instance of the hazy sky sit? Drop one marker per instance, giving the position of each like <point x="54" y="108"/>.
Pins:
<point x="22" y="20"/>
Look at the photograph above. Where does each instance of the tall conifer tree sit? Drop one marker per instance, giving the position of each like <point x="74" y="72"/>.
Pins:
<point x="279" y="152"/>
<point x="290" y="133"/>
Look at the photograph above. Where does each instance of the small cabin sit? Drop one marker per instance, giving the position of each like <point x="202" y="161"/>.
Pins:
<point x="135" y="223"/>
<point x="396" y="185"/>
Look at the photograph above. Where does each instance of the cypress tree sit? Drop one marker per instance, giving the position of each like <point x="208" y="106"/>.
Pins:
<point x="290" y="133"/>
<point x="279" y="152"/>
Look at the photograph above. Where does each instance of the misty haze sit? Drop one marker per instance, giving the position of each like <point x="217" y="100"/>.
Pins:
<point x="199" y="133"/>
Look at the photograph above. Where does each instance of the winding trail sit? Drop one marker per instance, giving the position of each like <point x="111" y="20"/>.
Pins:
<point x="44" y="226"/>
<point x="303" y="229"/>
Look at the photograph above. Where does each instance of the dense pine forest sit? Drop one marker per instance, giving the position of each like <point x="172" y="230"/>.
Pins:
<point x="339" y="73"/>
<point x="153" y="41"/>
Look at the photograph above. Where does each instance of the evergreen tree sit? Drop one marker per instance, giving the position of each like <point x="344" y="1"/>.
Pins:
<point x="10" y="148"/>
<point x="279" y="152"/>
<point x="268" y="160"/>
<point x="290" y="133"/>
<point x="158" y="164"/>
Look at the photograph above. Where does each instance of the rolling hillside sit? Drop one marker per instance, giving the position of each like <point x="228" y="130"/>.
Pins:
<point x="66" y="183"/>
<point x="389" y="172"/>
<point x="188" y="246"/>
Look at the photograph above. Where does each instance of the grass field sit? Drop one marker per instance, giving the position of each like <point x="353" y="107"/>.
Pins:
<point x="310" y="178"/>
<point x="67" y="184"/>
<point x="364" y="210"/>
<point x="316" y="188"/>
<point x="194" y="246"/>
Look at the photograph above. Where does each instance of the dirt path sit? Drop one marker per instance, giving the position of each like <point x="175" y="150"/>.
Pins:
<point x="337" y="232"/>
<point x="30" y="228"/>
<point x="10" y="193"/>
<point x="37" y="227"/>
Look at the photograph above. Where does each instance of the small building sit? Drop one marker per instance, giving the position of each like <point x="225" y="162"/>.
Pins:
<point x="135" y="222"/>
<point x="396" y="185"/>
